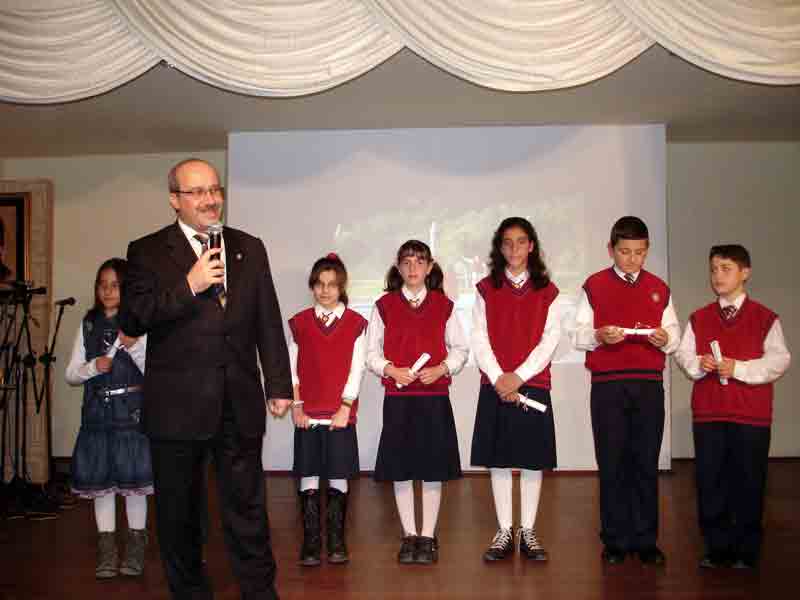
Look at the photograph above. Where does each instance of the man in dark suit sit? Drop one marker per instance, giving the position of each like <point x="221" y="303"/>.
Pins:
<point x="206" y="324"/>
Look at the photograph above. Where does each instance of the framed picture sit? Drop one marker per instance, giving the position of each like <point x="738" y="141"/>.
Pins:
<point x="14" y="237"/>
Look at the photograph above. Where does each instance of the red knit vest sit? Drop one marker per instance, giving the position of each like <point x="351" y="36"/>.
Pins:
<point x="616" y="302"/>
<point x="515" y="320"/>
<point x="740" y="338"/>
<point x="409" y="332"/>
<point x="325" y="355"/>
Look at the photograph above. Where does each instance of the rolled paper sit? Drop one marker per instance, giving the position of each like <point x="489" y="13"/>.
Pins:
<point x="113" y="349"/>
<point x="316" y="422"/>
<point x="532" y="403"/>
<point x="717" y="353"/>
<point x="634" y="331"/>
<point x="423" y="358"/>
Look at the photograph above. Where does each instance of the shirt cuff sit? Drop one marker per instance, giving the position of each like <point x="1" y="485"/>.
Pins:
<point x="740" y="370"/>
<point x="383" y="362"/>
<point x="524" y="374"/>
<point x="494" y="374"/>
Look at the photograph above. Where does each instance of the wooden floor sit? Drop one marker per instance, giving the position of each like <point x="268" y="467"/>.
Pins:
<point x="55" y="559"/>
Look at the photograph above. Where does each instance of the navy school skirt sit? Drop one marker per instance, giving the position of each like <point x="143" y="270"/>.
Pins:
<point x="330" y="454"/>
<point x="418" y="440"/>
<point x="506" y="436"/>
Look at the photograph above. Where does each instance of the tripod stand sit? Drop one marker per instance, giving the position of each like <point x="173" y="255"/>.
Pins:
<point x="23" y="498"/>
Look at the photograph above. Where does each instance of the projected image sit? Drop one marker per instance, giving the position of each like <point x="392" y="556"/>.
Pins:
<point x="460" y="243"/>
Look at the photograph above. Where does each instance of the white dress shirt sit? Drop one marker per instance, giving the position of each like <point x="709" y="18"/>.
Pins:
<point x="198" y="247"/>
<point x="582" y="331"/>
<point x="353" y="384"/>
<point x="79" y="370"/>
<point x="539" y="357"/>
<point x="766" y="369"/>
<point x="454" y="339"/>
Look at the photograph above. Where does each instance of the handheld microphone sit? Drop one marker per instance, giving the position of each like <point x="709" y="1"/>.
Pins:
<point x="214" y="232"/>
<point x="65" y="302"/>
<point x="214" y="235"/>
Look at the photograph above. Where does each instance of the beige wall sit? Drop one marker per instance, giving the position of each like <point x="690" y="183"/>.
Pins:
<point x="743" y="192"/>
<point x="746" y="193"/>
<point x="101" y="203"/>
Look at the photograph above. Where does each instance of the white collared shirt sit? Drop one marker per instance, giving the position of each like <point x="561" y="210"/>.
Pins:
<point x="582" y="330"/>
<point x="518" y="280"/>
<point x="79" y="370"/>
<point x="353" y="384"/>
<point x="536" y="361"/>
<point x="454" y="339"/>
<point x="198" y="247"/>
<point x="419" y="297"/>
<point x="766" y="369"/>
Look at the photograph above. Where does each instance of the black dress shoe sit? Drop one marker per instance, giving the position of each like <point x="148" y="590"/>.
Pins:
<point x="427" y="550"/>
<point x="744" y="562"/>
<point x="714" y="560"/>
<point x="613" y="556"/>
<point x="408" y="549"/>
<point x="652" y="556"/>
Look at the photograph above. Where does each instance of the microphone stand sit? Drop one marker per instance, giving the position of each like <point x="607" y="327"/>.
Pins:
<point x="57" y="493"/>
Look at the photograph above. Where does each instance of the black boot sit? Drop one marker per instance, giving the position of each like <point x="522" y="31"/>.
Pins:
<point x="312" y="534"/>
<point x="337" y="511"/>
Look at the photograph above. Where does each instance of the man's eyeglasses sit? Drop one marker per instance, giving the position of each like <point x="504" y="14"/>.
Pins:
<point x="198" y="193"/>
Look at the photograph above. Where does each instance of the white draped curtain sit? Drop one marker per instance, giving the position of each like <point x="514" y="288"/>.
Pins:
<point x="64" y="50"/>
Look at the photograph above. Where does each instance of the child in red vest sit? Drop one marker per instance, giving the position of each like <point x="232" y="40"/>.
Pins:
<point x="515" y="331"/>
<point x="418" y="440"/>
<point x="626" y="322"/>
<point x="732" y="408"/>
<point x="327" y="353"/>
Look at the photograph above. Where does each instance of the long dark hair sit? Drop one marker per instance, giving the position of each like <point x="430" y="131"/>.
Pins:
<point x="120" y="267"/>
<point x="331" y="262"/>
<point x="497" y="262"/>
<point x="433" y="281"/>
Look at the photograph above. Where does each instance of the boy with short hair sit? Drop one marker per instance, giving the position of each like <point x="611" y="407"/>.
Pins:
<point x="732" y="408"/>
<point x="626" y="323"/>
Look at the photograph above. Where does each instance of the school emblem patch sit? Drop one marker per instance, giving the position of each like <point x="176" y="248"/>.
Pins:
<point x="656" y="297"/>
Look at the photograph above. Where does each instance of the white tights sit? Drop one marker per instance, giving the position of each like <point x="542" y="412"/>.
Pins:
<point x="105" y="512"/>
<point x="431" y="501"/>
<point x="530" y="483"/>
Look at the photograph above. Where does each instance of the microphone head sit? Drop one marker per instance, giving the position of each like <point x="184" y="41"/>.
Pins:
<point x="214" y="232"/>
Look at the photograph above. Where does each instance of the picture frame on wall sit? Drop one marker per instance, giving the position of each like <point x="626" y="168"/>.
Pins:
<point x="14" y="237"/>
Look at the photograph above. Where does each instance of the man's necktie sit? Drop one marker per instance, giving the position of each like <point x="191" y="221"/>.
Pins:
<point x="629" y="278"/>
<point x="729" y="312"/>
<point x="217" y="289"/>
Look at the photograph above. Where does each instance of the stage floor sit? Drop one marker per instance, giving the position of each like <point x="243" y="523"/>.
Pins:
<point x="55" y="559"/>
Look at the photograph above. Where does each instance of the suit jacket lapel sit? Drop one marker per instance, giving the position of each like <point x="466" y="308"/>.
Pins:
<point x="234" y="259"/>
<point x="179" y="249"/>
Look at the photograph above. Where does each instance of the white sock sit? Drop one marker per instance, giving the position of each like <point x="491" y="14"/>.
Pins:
<point x="309" y="483"/>
<point x="431" y="500"/>
<point x="530" y="484"/>
<point x="105" y="513"/>
<point x="136" y="509"/>
<point x="501" y="491"/>
<point x="338" y="484"/>
<point x="404" y="496"/>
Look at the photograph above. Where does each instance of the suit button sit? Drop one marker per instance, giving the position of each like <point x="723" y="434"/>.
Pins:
<point x="227" y="338"/>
